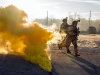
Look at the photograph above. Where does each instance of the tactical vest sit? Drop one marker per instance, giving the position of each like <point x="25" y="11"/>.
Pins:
<point x="72" y="29"/>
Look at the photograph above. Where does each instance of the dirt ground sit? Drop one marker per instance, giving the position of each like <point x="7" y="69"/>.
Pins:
<point x="88" y="63"/>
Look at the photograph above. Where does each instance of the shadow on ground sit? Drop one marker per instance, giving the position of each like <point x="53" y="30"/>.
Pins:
<point x="16" y="65"/>
<point x="88" y="34"/>
<point x="95" y="70"/>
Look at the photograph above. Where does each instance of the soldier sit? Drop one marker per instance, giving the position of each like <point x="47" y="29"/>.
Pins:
<point x="71" y="37"/>
<point x="64" y="25"/>
<point x="64" y="29"/>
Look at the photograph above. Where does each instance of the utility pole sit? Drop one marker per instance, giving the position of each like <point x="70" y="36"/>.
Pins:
<point x="47" y="18"/>
<point x="89" y="20"/>
<point x="99" y="28"/>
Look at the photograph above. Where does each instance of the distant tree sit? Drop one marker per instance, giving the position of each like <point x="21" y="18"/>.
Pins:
<point x="50" y="21"/>
<point x="83" y="24"/>
<point x="73" y="17"/>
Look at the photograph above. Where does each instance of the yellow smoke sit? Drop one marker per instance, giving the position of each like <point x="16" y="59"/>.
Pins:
<point x="29" y="42"/>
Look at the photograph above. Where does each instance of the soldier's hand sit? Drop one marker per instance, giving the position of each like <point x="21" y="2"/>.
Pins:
<point x="78" y="32"/>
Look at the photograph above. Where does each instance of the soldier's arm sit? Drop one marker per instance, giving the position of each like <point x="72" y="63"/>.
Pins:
<point x="70" y="30"/>
<point x="62" y="28"/>
<point x="71" y="33"/>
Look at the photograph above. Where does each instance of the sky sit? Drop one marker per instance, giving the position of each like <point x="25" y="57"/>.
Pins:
<point x="58" y="9"/>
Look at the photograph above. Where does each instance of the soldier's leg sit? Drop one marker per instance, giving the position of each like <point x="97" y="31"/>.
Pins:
<point x="74" y="42"/>
<point x="60" y="46"/>
<point x="68" y="42"/>
<point x="63" y="44"/>
<point x="67" y="49"/>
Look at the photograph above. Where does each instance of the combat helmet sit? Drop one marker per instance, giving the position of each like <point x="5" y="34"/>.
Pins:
<point x="65" y="19"/>
<point x="75" y="22"/>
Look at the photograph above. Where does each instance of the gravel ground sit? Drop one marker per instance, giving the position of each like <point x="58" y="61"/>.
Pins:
<point x="63" y="64"/>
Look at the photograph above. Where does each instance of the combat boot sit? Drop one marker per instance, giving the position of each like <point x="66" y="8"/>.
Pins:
<point x="76" y="55"/>
<point x="59" y="46"/>
<point x="68" y="51"/>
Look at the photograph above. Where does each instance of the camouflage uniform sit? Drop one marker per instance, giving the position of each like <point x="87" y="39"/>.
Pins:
<point x="71" y="37"/>
<point x="63" y="28"/>
<point x="72" y="32"/>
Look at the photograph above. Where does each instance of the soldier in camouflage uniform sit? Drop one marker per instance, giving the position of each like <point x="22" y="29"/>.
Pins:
<point x="71" y="37"/>
<point x="64" y="26"/>
<point x="63" y="29"/>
